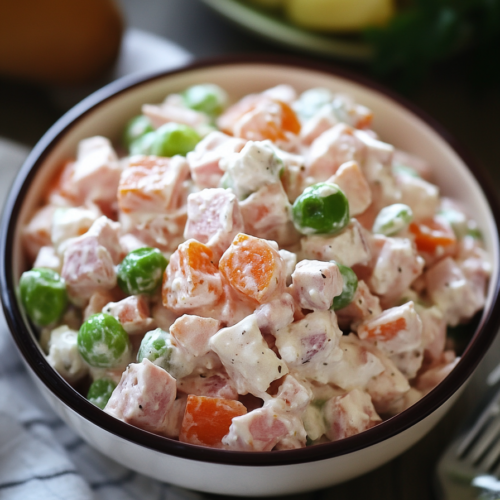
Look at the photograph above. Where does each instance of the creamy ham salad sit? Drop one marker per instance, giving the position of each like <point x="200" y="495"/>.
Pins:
<point x="259" y="275"/>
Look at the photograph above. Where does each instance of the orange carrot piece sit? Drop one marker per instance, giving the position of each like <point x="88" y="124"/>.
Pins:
<point x="386" y="331"/>
<point x="431" y="234"/>
<point x="207" y="420"/>
<point x="252" y="267"/>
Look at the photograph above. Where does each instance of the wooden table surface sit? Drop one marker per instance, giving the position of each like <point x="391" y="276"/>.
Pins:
<point x="27" y="111"/>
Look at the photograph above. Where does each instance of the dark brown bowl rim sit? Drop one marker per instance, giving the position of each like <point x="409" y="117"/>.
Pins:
<point x="482" y="338"/>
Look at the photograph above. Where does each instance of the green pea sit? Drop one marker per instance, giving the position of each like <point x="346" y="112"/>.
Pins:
<point x="348" y="288"/>
<point x="43" y="294"/>
<point x="142" y="145"/>
<point x="137" y="127"/>
<point x="322" y="209"/>
<point x="100" y="391"/>
<point x="392" y="219"/>
<point x="207" y="98"/>
<point x="174" y="139"/>
<point x="157" y="347"/>
<point x="141" y="271"/>
<point x="103" y="343"/>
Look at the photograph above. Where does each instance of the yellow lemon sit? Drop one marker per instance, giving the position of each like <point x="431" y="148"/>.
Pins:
<point x="339" y="15"/>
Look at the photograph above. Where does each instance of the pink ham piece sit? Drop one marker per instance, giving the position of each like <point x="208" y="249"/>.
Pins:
<point x="144" y="397"/>
<point x="37" y="233"/>
<point x="264" y="428"/>
<point x="349" y="247"/>
<point x="276" y="314"/>
<point x="452" y="292"/>
<point x="331" y="149"/>
<point x="316" y="283"/>
<point x="133" y="313"/>
<point x="214" y="384"/>
<point x="349" y="414"/>
<point x="267" y="214"/>
<point x="353" y="183"/>
<point x="88" y="267"/>
<point x="214" y="218"/>
<point x="364" y="305"/>
<point x="204" y="159"/>
<point x="193" y="333"/>
<point x="396" y="266"/>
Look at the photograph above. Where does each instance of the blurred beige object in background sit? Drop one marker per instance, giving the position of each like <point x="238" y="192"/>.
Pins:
<point x="339" y="15"/>
<point x="62" y="42"/>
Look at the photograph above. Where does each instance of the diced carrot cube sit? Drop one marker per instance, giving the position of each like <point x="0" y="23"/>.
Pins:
<point x="207" y="420"/>
<point x="431" y="234"/>
<point x="386" y="331"/>
<point x="253" y="267"/>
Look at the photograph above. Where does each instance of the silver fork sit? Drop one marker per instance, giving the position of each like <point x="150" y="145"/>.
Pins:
<point x="470" y="467"/>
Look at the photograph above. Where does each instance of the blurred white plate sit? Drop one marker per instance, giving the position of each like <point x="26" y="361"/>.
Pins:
<point x="278" y="30"/>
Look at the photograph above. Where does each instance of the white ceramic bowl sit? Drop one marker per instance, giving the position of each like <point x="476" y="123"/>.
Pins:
<point x="220" y="471"/>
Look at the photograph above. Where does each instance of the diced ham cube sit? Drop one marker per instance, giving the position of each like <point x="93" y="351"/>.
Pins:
<point x="207" y="420"/>
<point x="193" y="333"/>
<point x="433" y="332"/>
<point x="204" y="159"/>
<point x="436" y="374"/>
<point x="397" y="265"/>
<point x="129" y="243"/>
<point x="276" y="314"/>
<point x="349" y="247"/>
<point x="94" y="176"/>
<point x="36" y="234"/>
<point x="451" y="292"/>
<point x="331" y="149"/>
<point x="290" y="261"/>
<point x="306" y="345"/>
<point x="389" y="386"/>
<point x="349" y="414"/>
<point x="162" y="231"/>
<point x="316" y="283"/>
<point x="421" y="196"/>
<point x="153" y="185"/>
<point x="133" y="313"/>
<point x="172" y="425"/>
<point x="70" y="222"/>
<point x="363" y="306"/>
<point x="97" y="301"/>
<point x="173" y="110"/>
<point x="216" y="384"/>
<point x="246" y="357"/>
<point x="357" y="367"/>
<point x="353" y="183"/>
<point x="163" y="317"/>
<point x="395" y="331"/>
<point x="320" y="122"/>
<point x="255" y="166"/>
<point x="107" y="233"/>
<point x="144" y="397"/>
<point x="191" y="280"/>
<point x="48" y="258"/>
<point x="267" y="214"/>
<point x="262" y="429"/>
<point x="296" y="396"/>
<point x="214" y="218"/>
<point x="87" y="268"/>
